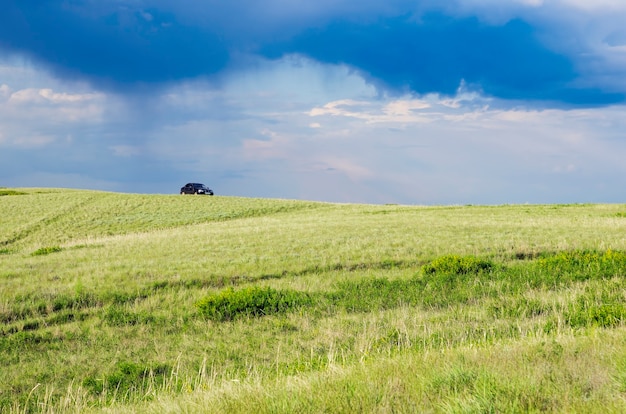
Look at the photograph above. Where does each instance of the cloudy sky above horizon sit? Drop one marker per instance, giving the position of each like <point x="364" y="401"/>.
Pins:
<point x="401" y="101"/>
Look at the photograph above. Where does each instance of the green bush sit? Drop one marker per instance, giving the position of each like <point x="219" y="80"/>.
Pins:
<point x="4" y="192"/>
<point x="458" y="265"/>
<point x="250" y="302"/>
<point x="604" y="315"/>
<point x="46" y="250"/>
<point x="584" y="264"/>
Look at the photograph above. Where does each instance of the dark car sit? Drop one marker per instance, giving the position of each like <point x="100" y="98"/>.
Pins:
<point x="196" y="188"/>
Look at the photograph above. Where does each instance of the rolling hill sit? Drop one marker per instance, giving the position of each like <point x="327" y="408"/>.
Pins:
<point x="167" y="303"/>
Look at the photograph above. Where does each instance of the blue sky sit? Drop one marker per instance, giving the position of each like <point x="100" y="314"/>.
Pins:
<point x="411" y="102"/>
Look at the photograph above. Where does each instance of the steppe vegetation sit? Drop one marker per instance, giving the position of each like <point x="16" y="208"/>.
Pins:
<point x="157" y="303"/>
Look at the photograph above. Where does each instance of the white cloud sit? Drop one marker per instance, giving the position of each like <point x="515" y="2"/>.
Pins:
<point x="404" y="107"/>
<point x="343" y="107"/>
<point x="395" y="111"/>
<point x="486" y="145"/>
<point x="42" y="117"/>
<point x="405" y="110"/>
<point x="26" y="96"/>
<point x="5" y="91"/>
<point x="39" y="96"/>
<point x="63" y="97"/>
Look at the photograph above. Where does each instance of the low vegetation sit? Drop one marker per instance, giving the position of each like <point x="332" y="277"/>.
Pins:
<point x="250" y="302"/>
<point x="155" y="303"/>
<point x="5" y="192"/>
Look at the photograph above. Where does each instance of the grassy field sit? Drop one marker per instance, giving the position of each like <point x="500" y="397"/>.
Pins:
<point x="157" y="303"/>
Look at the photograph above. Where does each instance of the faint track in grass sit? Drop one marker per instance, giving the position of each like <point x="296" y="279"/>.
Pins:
<point x="30" y="228"/>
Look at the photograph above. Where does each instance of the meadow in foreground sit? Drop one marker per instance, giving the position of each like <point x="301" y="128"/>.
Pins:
<point x="154" y="303"/>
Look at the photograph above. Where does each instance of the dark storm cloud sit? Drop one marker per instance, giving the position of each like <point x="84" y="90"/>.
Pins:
<point x="121" y="44"/>
<point x="116" y="47"/>
<point x="437" y="53"/>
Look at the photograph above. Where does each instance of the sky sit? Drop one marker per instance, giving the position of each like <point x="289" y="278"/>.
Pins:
<point x="420" y="102"/>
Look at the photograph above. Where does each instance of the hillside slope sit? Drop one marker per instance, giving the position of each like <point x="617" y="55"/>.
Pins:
<point x="158" y="303"/>
<point x="37" y="217"/>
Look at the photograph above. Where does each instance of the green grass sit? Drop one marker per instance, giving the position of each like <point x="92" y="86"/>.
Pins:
<point x="5" y="192"/>
<point x="156" y="303"/>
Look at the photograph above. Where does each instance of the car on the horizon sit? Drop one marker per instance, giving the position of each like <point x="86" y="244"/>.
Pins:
<point x="195" y="188"/>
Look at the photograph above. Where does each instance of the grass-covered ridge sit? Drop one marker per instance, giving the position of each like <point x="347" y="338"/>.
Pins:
<point x="66" y="216"/>
<point x="157" y="303"/>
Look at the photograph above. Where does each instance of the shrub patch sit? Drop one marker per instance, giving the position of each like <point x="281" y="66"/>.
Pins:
<point x="604" y="316"/>
<point x="46" y="250"/>
<point x="10" y="192"/>
<point x="458" y="265"/>
<point x="582" y="265"/>
<point x="250" y="302"/>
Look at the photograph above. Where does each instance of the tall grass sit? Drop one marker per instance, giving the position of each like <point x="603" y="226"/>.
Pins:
<point x="148" y="303"/>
